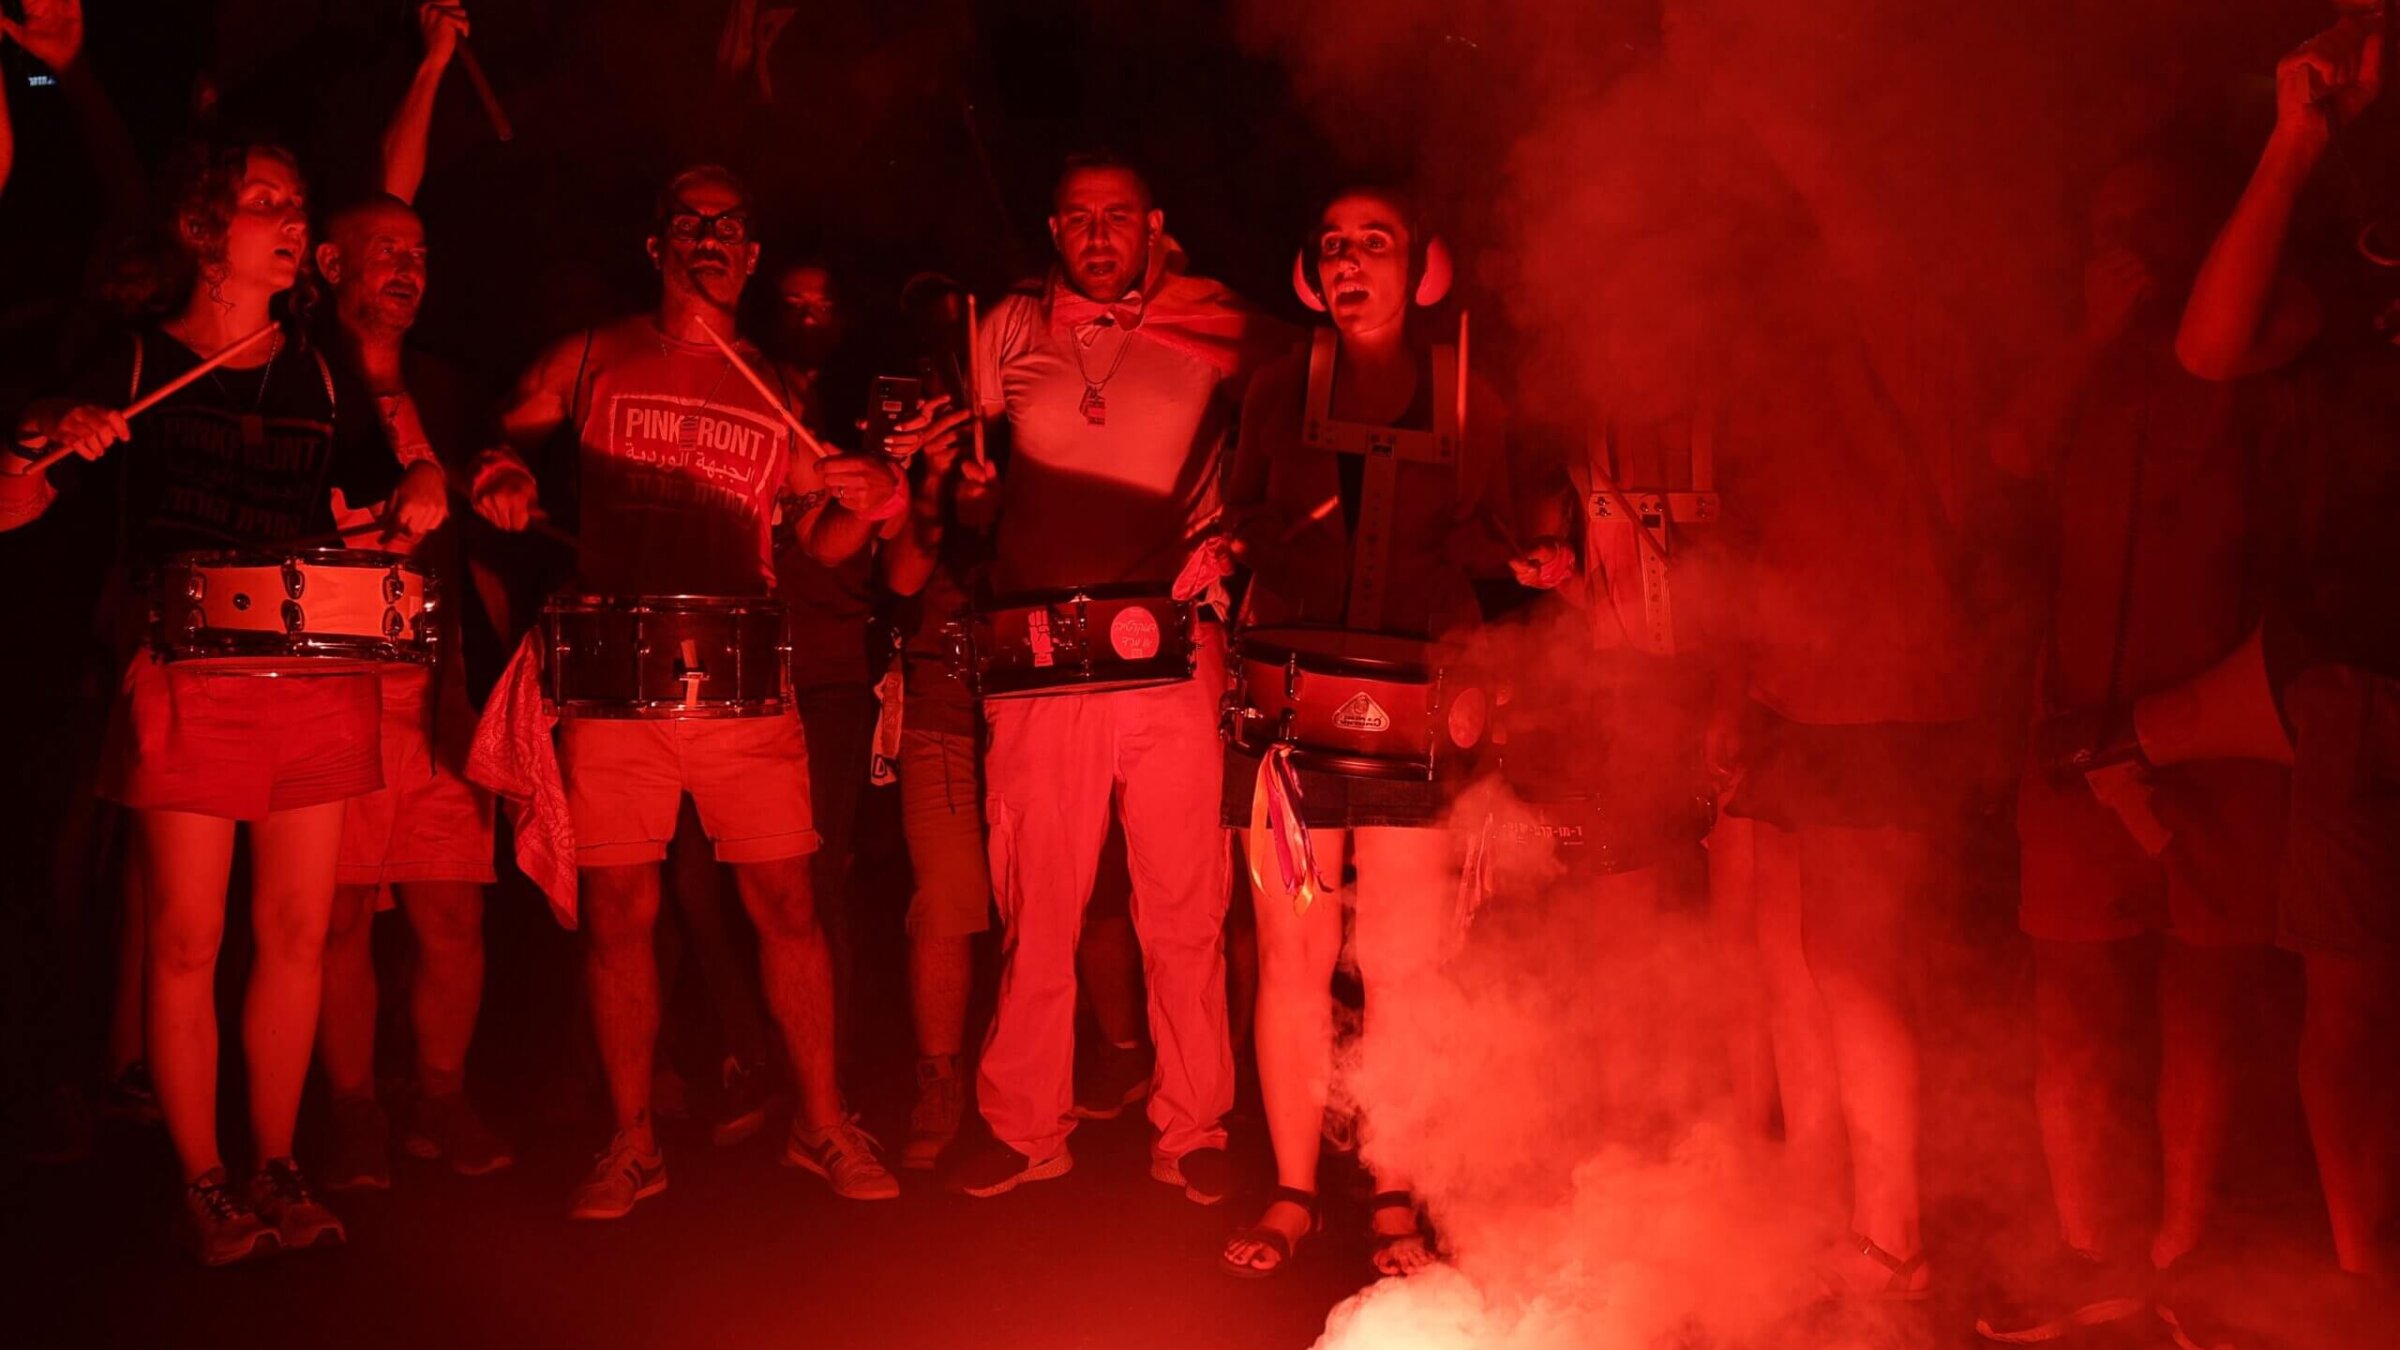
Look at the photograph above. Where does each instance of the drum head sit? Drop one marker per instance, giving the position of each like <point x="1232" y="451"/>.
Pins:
<point x="1387" y="655"/>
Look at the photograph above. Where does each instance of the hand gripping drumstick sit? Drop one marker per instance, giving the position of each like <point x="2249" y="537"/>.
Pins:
<point x="483" y="90"/>
<point x="152" y="399"/>
<point x="815" y="446"/>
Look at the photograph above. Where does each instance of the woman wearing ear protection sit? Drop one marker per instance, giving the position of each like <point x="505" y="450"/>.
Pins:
<point x="1362" y="507"/>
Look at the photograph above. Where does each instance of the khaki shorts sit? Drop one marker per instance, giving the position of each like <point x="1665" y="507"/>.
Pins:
<point x="427" y="822"/>
<point x="747" y="776"/>
<point x="941" y="814"/>
<point x="2341" y="874"/>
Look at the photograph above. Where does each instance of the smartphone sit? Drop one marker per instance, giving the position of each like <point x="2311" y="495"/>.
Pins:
<point x="891" y="400"/>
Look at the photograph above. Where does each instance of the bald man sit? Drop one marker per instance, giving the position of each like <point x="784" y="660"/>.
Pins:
<point x="426" y="837"/>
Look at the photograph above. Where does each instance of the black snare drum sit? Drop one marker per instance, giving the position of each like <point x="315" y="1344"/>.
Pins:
<point x="1364" y="705"/>
<point x="664" y="656"/>
<point x="1088" y="640"/>
<point x="298" y="611"/>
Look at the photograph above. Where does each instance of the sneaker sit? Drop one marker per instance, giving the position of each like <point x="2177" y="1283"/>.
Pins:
<point x="997" y="1169"/>
<point x="742" y="1109"/>
<point x="130" y="1096"/>
<point x="1116" y="1078"/>
<point x="844" y="1155"/>
<point x="1205" y="1174"/>
<point x="282" y="1198"/>
<point x="632" y="1170"/>
<point x="360" y="1156"/>
<point x="447" y="1127"/>
<point x="2074" y="1292"/>
<point x="222" y="1227"/>
<point x="941" y="1100"/>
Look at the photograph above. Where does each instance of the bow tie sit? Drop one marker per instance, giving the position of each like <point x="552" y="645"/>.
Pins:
<point x="1088" y="316"/>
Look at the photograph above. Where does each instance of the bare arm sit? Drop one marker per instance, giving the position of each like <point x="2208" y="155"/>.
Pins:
<point x="2244" y="316"/>
<point x="404" y="141"/>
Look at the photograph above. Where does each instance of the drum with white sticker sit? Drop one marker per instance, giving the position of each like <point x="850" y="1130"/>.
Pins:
<point x="1362" y="705"/>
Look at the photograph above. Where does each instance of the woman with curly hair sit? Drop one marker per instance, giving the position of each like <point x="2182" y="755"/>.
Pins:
<point x="255" y="454"/>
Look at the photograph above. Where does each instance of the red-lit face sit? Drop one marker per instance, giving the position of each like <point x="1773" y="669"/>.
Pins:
<point x="1102" y="227"/>
<point x="268" y="232"/>
<point x="703" y="247"/>
<point x="808" y="314"/>
<point x="1362" y="251"/>
<point x="376" y="265"/>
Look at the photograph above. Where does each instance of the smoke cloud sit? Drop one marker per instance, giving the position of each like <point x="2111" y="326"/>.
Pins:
<point x="1772" y="204"/>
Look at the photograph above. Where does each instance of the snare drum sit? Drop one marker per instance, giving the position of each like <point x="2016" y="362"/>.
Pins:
<point x="664" y="656"/>
<point x="300" y="611"/>
<point x="1363" y="705"/>
<point x="1088" y="640"/>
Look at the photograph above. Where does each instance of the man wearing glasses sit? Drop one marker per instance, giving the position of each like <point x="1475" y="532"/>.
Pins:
<point x="682" y="464"/>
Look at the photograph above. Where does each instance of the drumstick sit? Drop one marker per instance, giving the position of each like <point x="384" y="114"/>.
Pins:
<point x="483" y="91"/>
<point x="151" y="400"/>
<point x="1323" y="509"/>
<point x="974" y="390"/>
<point x="815" y="446"/>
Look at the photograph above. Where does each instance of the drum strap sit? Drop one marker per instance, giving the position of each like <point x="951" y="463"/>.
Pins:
<point x="1382" y="449"/>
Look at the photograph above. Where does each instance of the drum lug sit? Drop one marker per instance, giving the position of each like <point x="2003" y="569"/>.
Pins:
<point x="195" y="585"/>
<point x="1291" y="678"/>
<point x="294" y="618"/>
<point x="294" y="582"/>
<point x="393" y="587"/>
<point x="393" y="624"/>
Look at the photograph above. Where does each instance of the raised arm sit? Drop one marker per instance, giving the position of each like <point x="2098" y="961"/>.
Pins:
<point x="52" y="33"/>
<point x="443" y="23"/>
<point x="2244" y="316"/>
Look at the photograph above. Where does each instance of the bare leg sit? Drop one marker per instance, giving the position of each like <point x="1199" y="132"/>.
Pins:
<point x="1405" y="894"/>
<point x="2087" y="1029"/>
<point x="2346" y="1086"/>
<point x="346" y="1012"/>
<point x="1294" y="1032"/>
<point x="1813" y="1136"/>
<point x="1857" y="887"/>
<point x="796" y="966"/>
<point x="1733" y="922"/>
<point x="446" y="990"/>
<point x="620" y="966"/>
<point x="698" y="892"/>
<point x="187" y="860"/>
<point x="2201" y="992"/>
<point x="293" y="854"/>
<point x="133" y="929"/>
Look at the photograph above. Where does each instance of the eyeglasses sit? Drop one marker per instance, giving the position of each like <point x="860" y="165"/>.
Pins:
<point x="731" y="227"/>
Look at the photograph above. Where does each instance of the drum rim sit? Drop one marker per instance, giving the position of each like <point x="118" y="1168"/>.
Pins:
<point x="1420" y="672"/>
<point x="660" y="710"/>
<point x="245" y="643"/>
<point x="1113" y="590"/>
<point x="360" y="559"/>
<point x="673" y="602"/>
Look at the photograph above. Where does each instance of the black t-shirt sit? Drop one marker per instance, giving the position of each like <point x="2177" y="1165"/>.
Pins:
<point x="238" y="458"/>
<point x="2342" y="471"/>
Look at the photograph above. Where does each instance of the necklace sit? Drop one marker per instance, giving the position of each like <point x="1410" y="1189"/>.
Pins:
<point x="687" y="428"/>
<point x="253" y="422"/>
<point x="1094" y="405"/>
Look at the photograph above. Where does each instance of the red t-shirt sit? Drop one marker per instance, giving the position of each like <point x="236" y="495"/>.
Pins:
<point x="682" y="460"/>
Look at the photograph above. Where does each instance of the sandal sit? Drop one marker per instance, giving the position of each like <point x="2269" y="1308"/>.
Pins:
<point x="1388" y="1244"/>
<point x="1896" y="1286"/>
<point x="1271" y="1239"/>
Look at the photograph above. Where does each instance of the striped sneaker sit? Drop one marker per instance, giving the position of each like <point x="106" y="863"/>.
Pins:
<point x="844" y="1155"/>
<point x="631" y="1171"/>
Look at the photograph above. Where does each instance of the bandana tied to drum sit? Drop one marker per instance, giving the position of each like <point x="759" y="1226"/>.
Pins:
<point x="1276" y="824"/>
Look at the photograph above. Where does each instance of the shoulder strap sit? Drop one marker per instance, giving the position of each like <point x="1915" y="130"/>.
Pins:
<point x="333" y="405"/>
